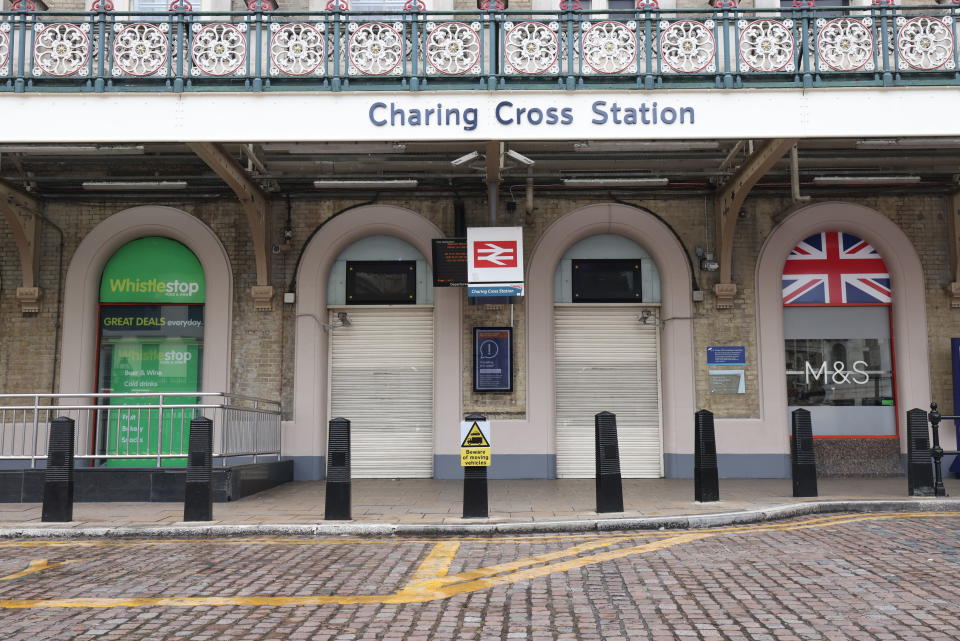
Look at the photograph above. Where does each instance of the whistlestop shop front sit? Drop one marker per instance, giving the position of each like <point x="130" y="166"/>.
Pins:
<point x="531" y="213"/>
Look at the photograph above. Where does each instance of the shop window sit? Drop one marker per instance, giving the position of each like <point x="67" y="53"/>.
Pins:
<point x="839" y="372"/>
<point x="836" y="297"/>
<point x="152" y="293"/>
<point x="375" y="282"/>
<point x="606" y="281"/>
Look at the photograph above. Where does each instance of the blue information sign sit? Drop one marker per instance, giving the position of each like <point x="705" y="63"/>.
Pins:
<point x="726" y="355"/>
<point x="493" y="359"/>
<point x="955" y="358"/>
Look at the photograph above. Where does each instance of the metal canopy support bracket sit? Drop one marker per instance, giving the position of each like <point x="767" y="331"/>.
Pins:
<point x="23" y="213"/>
<point x="727" y="204"/>
<point x="257" y="207"/>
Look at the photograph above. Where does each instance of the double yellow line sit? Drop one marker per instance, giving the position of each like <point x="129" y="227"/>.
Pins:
<point x="431" y="580"/>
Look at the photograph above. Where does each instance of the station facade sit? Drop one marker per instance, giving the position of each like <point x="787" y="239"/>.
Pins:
<point x="649" y="302"/>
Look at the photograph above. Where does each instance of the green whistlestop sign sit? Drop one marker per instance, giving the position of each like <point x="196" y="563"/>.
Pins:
<point x="156" y="367"/>
<point x="153" y="270"/>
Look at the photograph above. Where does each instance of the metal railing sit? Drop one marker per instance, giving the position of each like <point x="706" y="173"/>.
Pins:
<point x="178" y="51"/>
<point x="137" y="430"/>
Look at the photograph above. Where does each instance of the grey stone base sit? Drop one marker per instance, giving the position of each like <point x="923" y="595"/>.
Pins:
<point x="838" y="457"/>
<point x="146" y="484"/>
<point x="731" y="466"/>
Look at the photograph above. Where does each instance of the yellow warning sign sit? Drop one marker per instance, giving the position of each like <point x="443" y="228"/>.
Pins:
<point x="475" y="438"/>
<point x="475" y="457"/>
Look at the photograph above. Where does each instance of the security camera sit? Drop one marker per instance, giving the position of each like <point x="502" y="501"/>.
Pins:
<point x="473" y="155"/>
<point x="516" y="155"/>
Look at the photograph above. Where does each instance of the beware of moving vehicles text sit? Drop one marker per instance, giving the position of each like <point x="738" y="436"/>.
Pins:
<point x="475" y="444"/>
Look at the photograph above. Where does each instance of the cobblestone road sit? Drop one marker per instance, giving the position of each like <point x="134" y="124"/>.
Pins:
<point x="875" y="577"/>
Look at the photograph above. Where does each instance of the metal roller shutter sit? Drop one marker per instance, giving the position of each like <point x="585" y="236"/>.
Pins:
<point x="381" y="379"/>
<point x="606" y="359"/>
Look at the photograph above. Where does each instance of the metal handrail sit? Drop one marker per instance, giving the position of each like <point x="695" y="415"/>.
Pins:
<point x="244" y="426"/>
<point x="258" y="51"/>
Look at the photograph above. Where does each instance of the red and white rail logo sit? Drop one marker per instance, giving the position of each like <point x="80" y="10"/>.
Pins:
<point x="495" y="253"/>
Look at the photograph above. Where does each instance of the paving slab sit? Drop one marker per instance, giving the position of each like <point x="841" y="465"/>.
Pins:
<point x="515" y="505"/>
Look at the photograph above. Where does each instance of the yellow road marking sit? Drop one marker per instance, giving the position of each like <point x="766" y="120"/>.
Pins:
<point x="437" y="562"/>
<point x="430" y="580"/>
<point x="36" y="565"/>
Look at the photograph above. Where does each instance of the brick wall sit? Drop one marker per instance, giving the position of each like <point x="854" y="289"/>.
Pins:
<point x="263" y="342"/>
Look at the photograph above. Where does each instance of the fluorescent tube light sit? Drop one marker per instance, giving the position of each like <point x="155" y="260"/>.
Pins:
<point x="365" y="184"/>
<point x="73" y="150"/>
<point x="134" y="185"/>
<point x="865" y="180"/>
<point x="337" y="147"/>
<point x="653" y="145"/>
<point x="616" y="182"/>
<point x="910" y="143"/>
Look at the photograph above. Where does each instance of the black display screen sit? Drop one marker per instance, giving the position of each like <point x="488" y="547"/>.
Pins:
<point x="606" y="281"/>
<point x="381" y="282"/>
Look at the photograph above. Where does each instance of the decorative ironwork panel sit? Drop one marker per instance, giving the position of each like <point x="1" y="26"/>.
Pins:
<point x="610" y="47"/>
<point x="926" y="43"/>
<point x="4" y="44"/>
<point x="296" y="49"/>
<point x="139" y="49"/>
<point x="375" y="49"/>
<point x="767" y="45"/>
<point x="531" y="47"/>
<point x="60" y="49"/>
<point x="688" y="46"/>
<point x="453" y="48"/>
<point x="218" y="49"/>
<point x="845" y="44"/>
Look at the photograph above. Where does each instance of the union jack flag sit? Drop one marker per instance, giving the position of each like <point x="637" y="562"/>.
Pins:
<point x="835" y="268"/>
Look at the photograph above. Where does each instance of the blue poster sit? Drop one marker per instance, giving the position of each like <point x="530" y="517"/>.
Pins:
<point x="726" y="355"/>
<point x="492" y="359"/>
<point x="955" y="358"/>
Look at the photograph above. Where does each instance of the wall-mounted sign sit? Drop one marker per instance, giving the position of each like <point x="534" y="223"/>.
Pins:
<point x="475" y="439"/>
<point x="727" y="381"/>
<point x="726" y="355"/>
<point x="498" y="290"/>
<point x="495" y="255"/>
<point x="153" y="270"/>
<point x="449" y="262"/>
<point x="955" y="360"/>
<point x="492" y="359"/>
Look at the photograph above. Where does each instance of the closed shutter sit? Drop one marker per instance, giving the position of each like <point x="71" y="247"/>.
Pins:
<point x="607" y="360"/>
<point x="381" y="379"/>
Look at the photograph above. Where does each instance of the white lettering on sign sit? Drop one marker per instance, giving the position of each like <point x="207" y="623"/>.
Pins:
<point x="857" y="374"/>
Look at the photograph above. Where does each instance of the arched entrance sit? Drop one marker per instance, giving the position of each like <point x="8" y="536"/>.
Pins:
<point x="674" y="323"/>
<point x="909" y="350"/>
<point x="83" y="281"/>
<point x="380" y="320"/>
<point x="606" y="342"/>
<point x="318" y="317"/>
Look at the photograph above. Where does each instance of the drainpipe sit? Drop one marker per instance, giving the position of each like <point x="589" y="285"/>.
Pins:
<point x="795" y="177"/>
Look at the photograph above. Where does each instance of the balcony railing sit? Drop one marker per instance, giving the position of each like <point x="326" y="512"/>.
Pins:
<point x="136" y="430"/>
<point x="414" y="50"/>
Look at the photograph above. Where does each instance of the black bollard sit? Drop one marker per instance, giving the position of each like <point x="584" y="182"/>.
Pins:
<point x="58" y="477"/>
<point x="802" y="457"/>
<point x="607" y="453"/>
<point x="706" y="479"/>
<point x="198" y="489"/>
<point x="936" y="451"/>
<point x="337" y="501"/>
<point x="475" y="485"/>
<point x="919" y="472"/>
